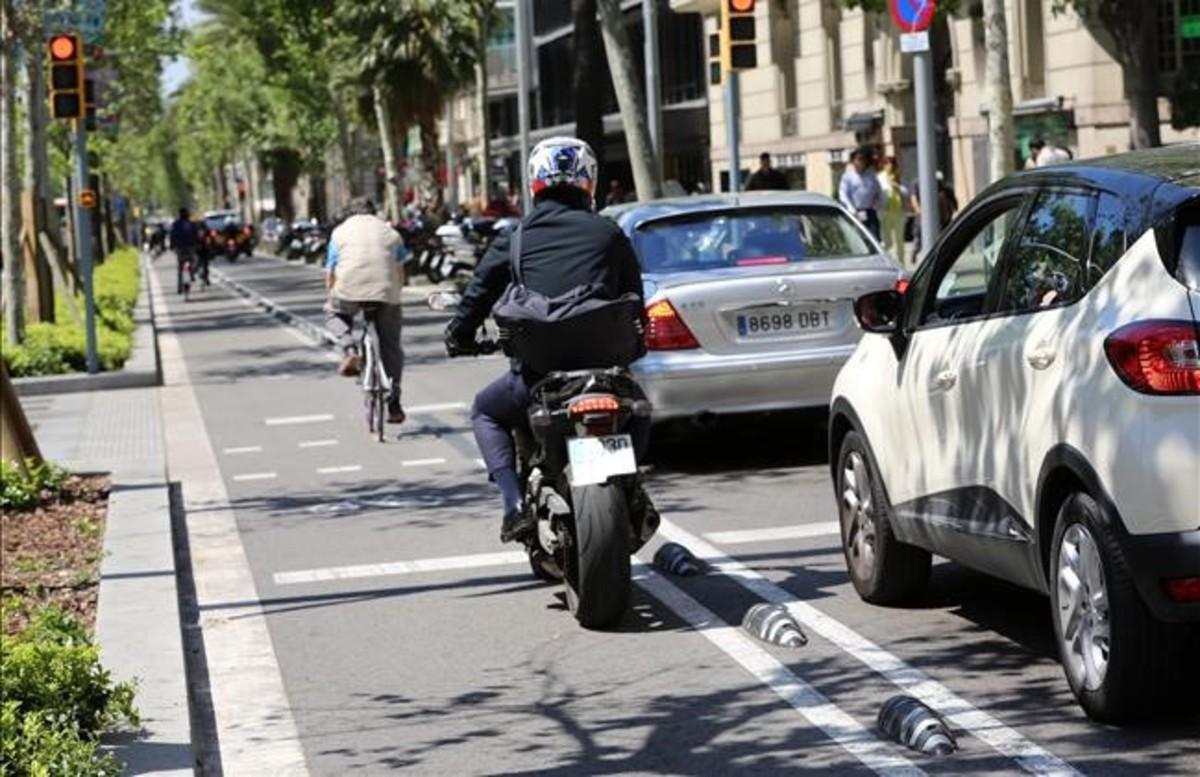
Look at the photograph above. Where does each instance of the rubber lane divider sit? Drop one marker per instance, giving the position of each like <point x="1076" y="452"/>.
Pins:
<point x="1008" y="742"/>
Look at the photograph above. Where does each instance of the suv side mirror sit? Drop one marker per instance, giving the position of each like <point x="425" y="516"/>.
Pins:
<point x="880" y="312"/>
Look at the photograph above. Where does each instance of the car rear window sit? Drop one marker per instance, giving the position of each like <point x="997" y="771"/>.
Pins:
<point x="1189" y="248"/>
<point x="748" y="238"/>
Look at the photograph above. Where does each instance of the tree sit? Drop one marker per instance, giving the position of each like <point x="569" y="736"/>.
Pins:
<point x="589" y="111"/>
<point x="1000" y="100"/>
<point x="630" y="99"/>
<point x="10" y="181"/>
<point x="1130" y="34"/>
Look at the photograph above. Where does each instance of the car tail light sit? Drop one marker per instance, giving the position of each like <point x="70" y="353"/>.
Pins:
<point x="1157" y="357"/>
<point x="665" y="330"/>
<point x="901" y="285"/>
<point x="1182" y="589"/>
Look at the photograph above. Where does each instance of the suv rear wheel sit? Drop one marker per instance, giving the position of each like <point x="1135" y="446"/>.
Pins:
<point x="883" y="569"/>
<point x="1117" y="657"/>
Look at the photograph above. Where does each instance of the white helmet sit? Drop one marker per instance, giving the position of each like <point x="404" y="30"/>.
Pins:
<point x="562" y="161"/>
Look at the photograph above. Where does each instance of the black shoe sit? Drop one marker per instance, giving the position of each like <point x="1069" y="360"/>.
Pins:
<point x="395" y="413"/>
<point x="517" y="525"/>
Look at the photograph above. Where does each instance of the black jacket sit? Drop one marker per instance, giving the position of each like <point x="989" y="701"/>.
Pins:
<point x="561" y="248"/>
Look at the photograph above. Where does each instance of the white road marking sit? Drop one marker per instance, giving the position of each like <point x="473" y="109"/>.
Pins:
<point x="256" y="476"/>
<point x="842" y="728"/>
<point x="299" y="419"/>
<point x="421" y="462"/>
<point x="318" y="443"/>
<point x="1029" y="756"/>
<point x="242" y="449"/>
<point x="436" y="408"/>
<point x="253" y="717"/>
<point x="799" y="531"/>
<point x="401" y="567"/>
<point x="343" y="468"/>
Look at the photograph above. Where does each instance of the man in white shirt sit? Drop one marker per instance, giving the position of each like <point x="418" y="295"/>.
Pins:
<point x="364" y="272"/>
<point x="859" y="190"/>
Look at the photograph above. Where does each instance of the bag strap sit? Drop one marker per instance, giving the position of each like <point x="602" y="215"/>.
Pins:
<point x="514" y="256"/>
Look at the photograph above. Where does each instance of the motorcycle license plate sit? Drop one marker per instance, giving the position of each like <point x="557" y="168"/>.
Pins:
<point x="596" y="459"/>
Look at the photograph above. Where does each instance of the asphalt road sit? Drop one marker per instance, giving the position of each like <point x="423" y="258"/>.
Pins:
<point x="481" y="670"/>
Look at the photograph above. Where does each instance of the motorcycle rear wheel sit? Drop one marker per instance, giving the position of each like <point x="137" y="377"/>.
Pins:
<point x="597" y="572"/>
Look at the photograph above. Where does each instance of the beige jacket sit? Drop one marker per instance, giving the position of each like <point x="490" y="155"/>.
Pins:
<point x="367" y="269"/>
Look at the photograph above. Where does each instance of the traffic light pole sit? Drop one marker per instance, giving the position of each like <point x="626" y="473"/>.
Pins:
<point x="83" y="239"/>
<point x="732" y="132"/>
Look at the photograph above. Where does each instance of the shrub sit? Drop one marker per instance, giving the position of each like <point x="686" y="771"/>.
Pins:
<point x="54" y="349"/>
<point x="20" y="492"/>
<point x="58" y="699"/>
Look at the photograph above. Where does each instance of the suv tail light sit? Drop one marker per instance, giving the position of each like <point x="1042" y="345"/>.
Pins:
<point x="1182" y="589"/>
<point x="665" y="330"/>
<point x="1157" y="357"/>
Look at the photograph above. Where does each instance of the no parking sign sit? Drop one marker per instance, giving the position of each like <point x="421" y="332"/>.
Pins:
<point x="912" y="15"/>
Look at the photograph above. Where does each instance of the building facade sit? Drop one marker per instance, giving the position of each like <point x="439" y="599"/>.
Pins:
<point x="830" y="79"/>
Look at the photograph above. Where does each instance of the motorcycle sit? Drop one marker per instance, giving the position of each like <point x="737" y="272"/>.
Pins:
<point x="578" y="464"/>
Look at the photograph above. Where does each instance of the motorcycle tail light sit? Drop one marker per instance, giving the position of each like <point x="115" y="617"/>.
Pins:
<point x="1157" y="356"/>
<point x="665" y="330"/>
<point x="589" y="405"/>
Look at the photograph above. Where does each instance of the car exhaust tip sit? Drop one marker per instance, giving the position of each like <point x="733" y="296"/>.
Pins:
<point x="908" y="721"/>
<point x="674" y="559"/>
<point x="773" y="624"/>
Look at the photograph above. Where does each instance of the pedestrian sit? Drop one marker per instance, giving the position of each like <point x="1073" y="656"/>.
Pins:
<point x="1043" y="153"/>
<point x="859" y="190"/>
<point x="947" y="206"/>
<point x="895" y="199"/>
<point x="364" y="273"/>
<point x="616" y="193"/>
<point x="766" y="177"/>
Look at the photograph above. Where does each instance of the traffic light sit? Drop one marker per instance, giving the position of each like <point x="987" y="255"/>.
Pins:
<point x="714" y="59"/>
<point x="89" y="104"/>
<point x="738" y="32"/>
<point x="66" y="76"/>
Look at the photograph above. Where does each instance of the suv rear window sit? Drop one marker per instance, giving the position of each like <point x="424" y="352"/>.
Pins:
<point x="748" y="238"/>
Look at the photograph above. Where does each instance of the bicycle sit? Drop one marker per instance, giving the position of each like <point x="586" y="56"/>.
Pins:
<point x="377" y="385"/>
<point x="185" y="279"/>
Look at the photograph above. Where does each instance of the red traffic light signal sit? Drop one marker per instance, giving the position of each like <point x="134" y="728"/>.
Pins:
<point x="741" y="6"/>
<point x="66" y="76"/>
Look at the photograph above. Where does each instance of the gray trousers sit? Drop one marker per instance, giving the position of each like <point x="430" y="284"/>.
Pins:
<point x="339" y="322"/>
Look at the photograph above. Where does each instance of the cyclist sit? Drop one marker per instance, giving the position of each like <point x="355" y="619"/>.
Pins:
<point x="564" y="245"/>
<point x="184" y="241"/>
<point x="364" y="272"/>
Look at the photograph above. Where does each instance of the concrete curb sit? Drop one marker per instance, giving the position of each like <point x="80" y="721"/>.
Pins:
<point x="276" y="310"/>
<point x="141" y="369"/>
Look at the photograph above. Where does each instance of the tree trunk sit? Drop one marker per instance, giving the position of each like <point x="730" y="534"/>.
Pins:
<point x="1000" y="101"/>
<point x="10" y="181"/>
<point x="1141" y="78"/>
<point x="391" y="161"/>
<point x="630" y="99"/>
<point x="485" y="130"/>
<point x="41" y="287"/>
<point x="346" y="147"/>
<point x="17" y="443"/>
<point x="285" y="170"/>
<point x="589" y="110"/>
<point x="430" y="180"/>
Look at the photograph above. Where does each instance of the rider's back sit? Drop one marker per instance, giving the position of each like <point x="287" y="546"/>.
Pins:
<point x="366" y="260"/>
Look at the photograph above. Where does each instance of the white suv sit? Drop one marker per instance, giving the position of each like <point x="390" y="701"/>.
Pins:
<point x="1029" y="405"/>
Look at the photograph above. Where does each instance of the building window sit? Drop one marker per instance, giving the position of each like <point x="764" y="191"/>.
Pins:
<point x="831" y="19"/>
<point x="1034" y="48"/>
<point x="1178" y="36"/>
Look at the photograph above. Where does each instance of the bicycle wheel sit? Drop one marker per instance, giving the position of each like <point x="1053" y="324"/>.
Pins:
<point x="380" y="404"/>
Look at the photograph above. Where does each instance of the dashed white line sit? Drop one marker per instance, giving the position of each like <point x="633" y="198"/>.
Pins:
<point x="436" y="407"/>
<point x="318" y="443"/>
<point x="421" y="462"/>
<point x="299" y="419"/>
<point x="242" y="449"/>
<point x="256" y="476"/>
<point x="1029" y="755"/>
<point x="335" y="470"/>
<point x="401" y="567"/>
<point x="839" y="726"/>
<point x="799" y="531"/>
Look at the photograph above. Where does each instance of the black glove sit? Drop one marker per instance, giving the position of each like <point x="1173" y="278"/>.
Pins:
<point x="459" y="342"/>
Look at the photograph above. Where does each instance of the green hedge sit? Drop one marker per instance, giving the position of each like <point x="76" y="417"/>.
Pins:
<point x="53" y="349"/>
<point x="57" y="700"/>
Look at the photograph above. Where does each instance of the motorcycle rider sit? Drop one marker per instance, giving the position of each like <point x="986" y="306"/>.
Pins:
<point x="364" y="272"/>
<point x="184" y="241"/>
<point x="564" y="245"/>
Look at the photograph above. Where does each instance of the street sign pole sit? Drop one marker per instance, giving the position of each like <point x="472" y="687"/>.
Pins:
<point x="83" y="239"/>
<point x="926" y="147"/>
<point x="653" y="92"/>
<point x="523" y="25"/>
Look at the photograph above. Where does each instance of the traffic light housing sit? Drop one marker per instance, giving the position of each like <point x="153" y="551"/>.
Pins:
<point x="739" y="51"/>
<point x="714" y="59"/>
<point x="67" y="99"/>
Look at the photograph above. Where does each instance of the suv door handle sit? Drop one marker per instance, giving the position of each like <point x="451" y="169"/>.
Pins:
<point x="945" y="380"/>
<point x="1040" y="359"/>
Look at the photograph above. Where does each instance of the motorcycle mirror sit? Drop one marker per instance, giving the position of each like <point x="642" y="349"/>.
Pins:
<point x="444" y="300"/>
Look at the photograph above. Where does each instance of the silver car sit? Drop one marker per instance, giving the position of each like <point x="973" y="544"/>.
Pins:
<point x="749" y="298"/>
